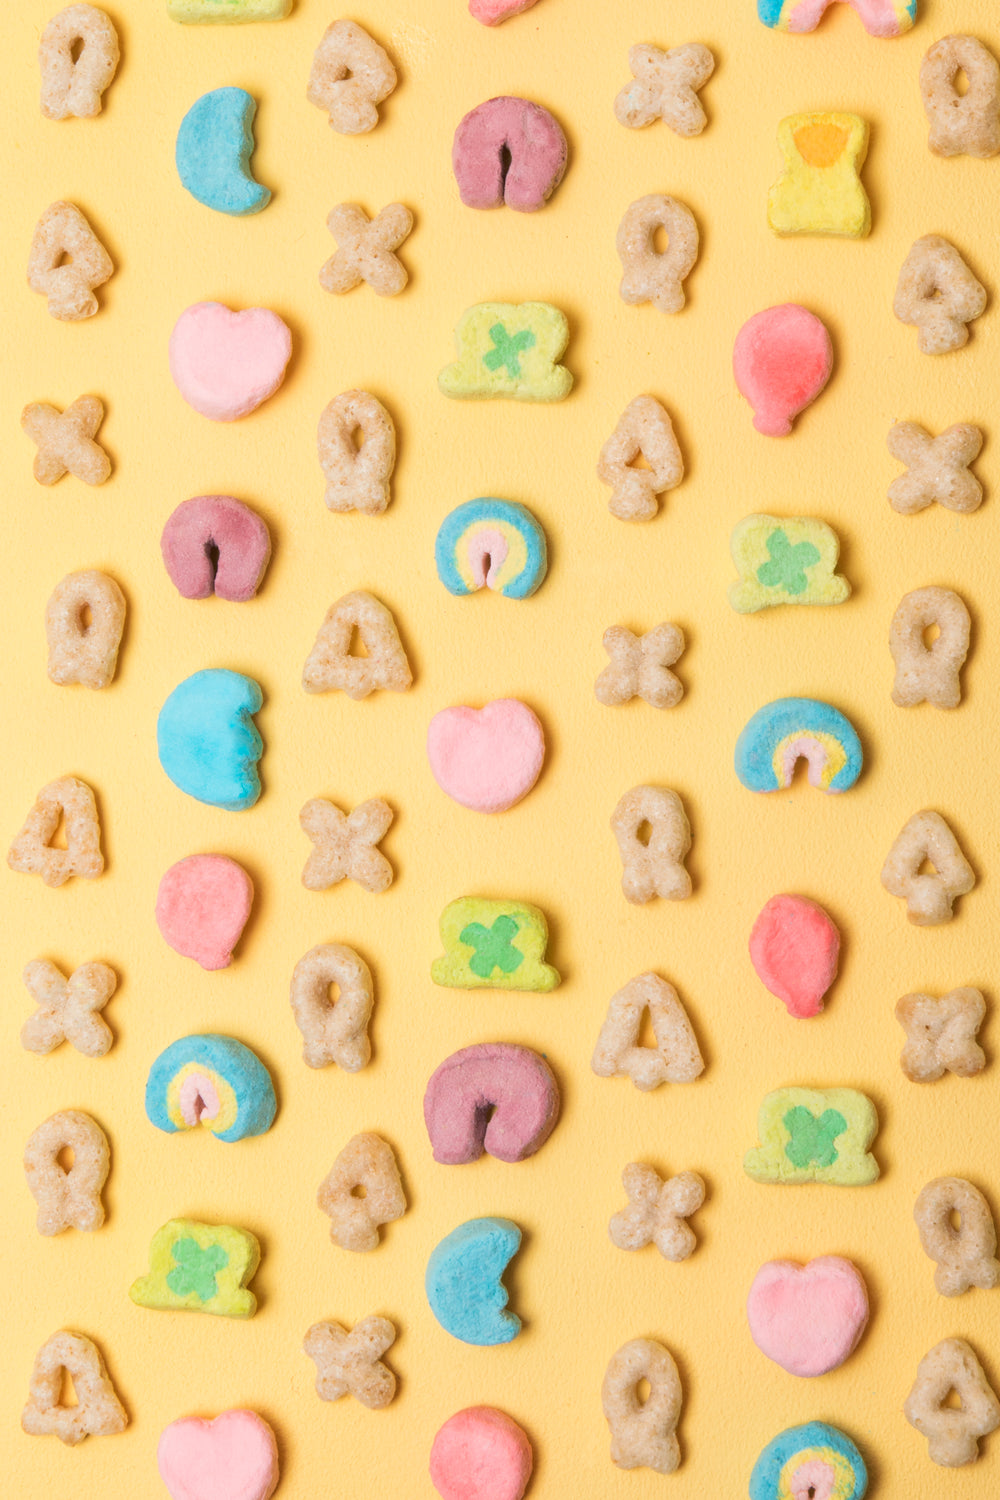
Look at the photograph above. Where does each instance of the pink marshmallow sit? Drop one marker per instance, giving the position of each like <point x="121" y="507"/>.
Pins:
<point x="217" y="524"/>
<point x="202" y="907"/>
<point x="782" y="359"/>
<point x="232" y="1457"/>
<point x="495" y="1097"/>
<point x="492" y="12"/>
<point x="487" y="758"/>
<point x="226" y="363"/>
<point x="481" y="1454"/>
<point x="511" y="151"/>
<point x="809" y="1318"/>
<point x="795" y="949"/>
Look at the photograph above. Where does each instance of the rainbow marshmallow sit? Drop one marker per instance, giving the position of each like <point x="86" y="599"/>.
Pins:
<point x="883" y="18"/>
<point x="212" y="1081"/>
<point x="496" y="544"/>
<point x="789" y="729"/>
<point x="814" y="1459"/>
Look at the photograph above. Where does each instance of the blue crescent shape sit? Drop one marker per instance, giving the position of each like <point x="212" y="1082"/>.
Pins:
<point x="482" y="512"/>
<point x="207" y="741"/>
<point x="464" y="1285"/>
<point x="779" y="720"/>
<point x="214" y="146"/>
<point x="242" y="1069"/>
<point x="809" y="1442"/>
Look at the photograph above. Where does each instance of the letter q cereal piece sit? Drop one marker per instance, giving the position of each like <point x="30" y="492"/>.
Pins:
<point x="966" y="1254"/>
<point x="665" y="87"/>
<point x="78" y="652"/>
<point x="643" y="1433"/>
<point x="356" y="442"/>
<point x="98" y="1412"/>
<point x="333" y="1031"/>
<point x="73" y="85"/>
<point x="68" y="1008"/>
<point x="65" y="440"/>
<point x="366" y="1162"/>
<point x="66" y="262"/>
<point x="67" y="1197"/>
<point x="654" y="867"/>
<point x="644" y="430"/>
<point x="937" y="468"/>
<point x="929" y="673"/>
<point x="929" y="898"/>
<point x="966" y="123"/>
<point x="653" y="275"/>
<point x="938" y="295"/>
<point x="953" y="1433"/>
<point x="365" y="249"/>
<point x="350" y="76"/>
<point x="32" y="852"/>
<point x="481" y="1454"/>
<point x="676" y="1057"/>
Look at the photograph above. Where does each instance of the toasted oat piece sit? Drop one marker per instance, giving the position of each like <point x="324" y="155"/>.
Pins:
<point x="350" y="1362"/>
<point x="953" y="1433"/>
<point x="643" y="1432"/>
<point x="366" y="1162"/>
<point x="365" y="249"/>
<point x="66" y="262"/>
<point x="74" y="85"/>
<point x="665" y="87"/>
<point x="644" y="430"/>
<point x="346" y="844"/>
<point x="67" y="1197"/>
<point x="929" y="898"/>
<point x="938" y="294"/>
<point x="356" y="442"/>
<point x="966" y="1254"/>
<point x="937" y="468"/>
<point x="941" y="1034"/>
<point x="929" y="673"/>
<point x="66" y="440"/>
<point x="966" y="123"/>
<point x="330" y="663"/>
<point x="68" y="1008"/>
<point x="640" y="667"/>
<point x="653" y="275"/>
<point x="79" y="653"/>
<point x="32" y="852"/>
<point x="98" y="1411"/>
<point x="350" y="76"/>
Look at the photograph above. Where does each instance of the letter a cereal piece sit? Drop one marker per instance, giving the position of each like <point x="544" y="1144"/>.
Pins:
<point x="351" y="75"/>
<point x="67" y="1197"/>
<point x="98" y="1412"/>
<point x="966" y="1255"/>
<point x="953" y="1433"/>
<point x="938" y="468"/>
<point x="640" y="667"/>
<point x="32" y="852"/>
<point x="73" y="84"/>
<point x="331" y="664"/>
<point x="644" y="430"/>
<point x="814" y="1135"/>
<point x="820" y="191"/>
<point x="78" y="652"/>
<point x="785" y="560"/>
<point x="643" y="1433"/>
<point x="67" y="261"/>
<point x="929" y="898"/>
<point x="351" y="1363"/>
<point x="941" y="1034"/>
<point x="365" y="249"/>
<point x="656" y="867"/>
<point x="366" y="1162"/>
<point x="938" y="294"/>
<point x="334" y="1031"/>
<point x="200" y="1268"/>
<point x="493" y="945"/>
<point x="665" y="87"/>
<point x="676" y="1057"/>
<point x="65" y="440"/>
<point x="509" y="350"/>
<point x="357" y="453"/>
<point x="966" y="123"/>
<point x="346" y="844"/>
<point x="67" y="1008"/>
<point x="653" y="275"/>
<point x="657" y="1210"/>
<point x="929" y="673"/>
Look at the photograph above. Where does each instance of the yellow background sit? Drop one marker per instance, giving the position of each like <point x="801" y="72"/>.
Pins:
<point x="580" y="1297"/>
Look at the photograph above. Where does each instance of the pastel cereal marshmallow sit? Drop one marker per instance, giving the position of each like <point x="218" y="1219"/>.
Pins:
<point x="785" y="560"/>
<point x="77" y="55"/>
<point x="464" y="1281"/>
<point x="202" y="906"/>
<point x="233" y="1456"/>
<point x="214" y="544"/>
<point x="808" y="1319"/>
<point x="782" y="360"/>
<point x="820" y="189"/>
<point x="493" y="12"/>
<point x="508" y="151"/>
<point x="880" y="18"/>
<point x="226" y="363"/>
<point x="493" y="544"/>
<point x="795" y="949"/>
<point x="481" y="1454"/>
<point x="227" y="12"/>
<point x="814" y="1456"/>
<point x="496" y="1098"/>
<point x="198" y="1267"/>
<point x="788" y="730"/>
<point x="494" y="945"/>
<point x="486" y="759"/>
<point x="210" y="1082"/>
<point x="207" y="741"/>
<point x="509" y="350"/>
<point x="815" y="1135"/>
<point x="214" y="145"/>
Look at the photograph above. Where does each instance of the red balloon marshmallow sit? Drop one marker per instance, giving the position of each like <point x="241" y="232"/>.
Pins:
<point x="795" y="948"/>
<point x="782" y="359"/>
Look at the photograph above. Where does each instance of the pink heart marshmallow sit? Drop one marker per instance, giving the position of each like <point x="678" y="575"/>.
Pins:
<point x="486" y="758"/>
<point x="492" y="12"/>
<point x="233" y="1457"/>
<point x="226" y="363"/>
<point x="809" y="1318"/>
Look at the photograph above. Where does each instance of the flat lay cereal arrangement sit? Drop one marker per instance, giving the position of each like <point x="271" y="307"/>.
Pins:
<point x="468" y="936"/>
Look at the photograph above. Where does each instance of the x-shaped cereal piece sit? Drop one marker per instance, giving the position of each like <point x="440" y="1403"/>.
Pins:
<point x="656" y="1211"/>
<point x="364" y="249"/>
<point x="937" y="468"/>
<point x="67" y="1008"/>
<point x="65" y="440"/>
<point x="639" y="666"/>
<point x="941" y="1034"/>
<point x="345" y="844"/>
<point x="666" y="86"/>
<point x="350" y="1362"/>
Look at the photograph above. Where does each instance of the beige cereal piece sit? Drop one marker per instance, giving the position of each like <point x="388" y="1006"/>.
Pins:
<point x="665" y="87"/>
<point x="331" y="664"/>
<point x="357" y="453"/>
<point x="84" y="653"/>
<point x="941" y="1034"/>
<point x="929" y="898"/>
<point x="929" y="673"/>
<point x="643" y="1433"/>
<point x="68" y="1008"/>
<point x="653" y="275"/>
<point x="657" y="1210"/>
<point x="32" y="852"/>
<point x="350" y="76"/>
<point x="654" y="866"/>
<point x="351" y="1362"/>
<point x="644" y="430"/>
<point x="333" y="1030"/>
<point x="966" y="123"/>
<point x="74" y="85"/>
<point x="966" y="1254"/>
<point x="66" y="262"/>
<point x="365" y="249"/>
<point x="67" y="1197"/>
<point x="675" y="1058"/>
<point x="953" y="1433"/>
<point x="98" y="1412"/>
<point x="937" y="468"/>
<point x="65" y="440"/>
<point x="366" y="1163"/>
<point x="346" y="844"/>
<point x="640" y="667"/>
<point x="938" y="294"/>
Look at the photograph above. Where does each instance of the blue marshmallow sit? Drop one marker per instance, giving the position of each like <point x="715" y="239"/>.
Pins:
<point x="214" y="146"/>
<point x="464" y="1285"/>
<point x="207" y="741"/>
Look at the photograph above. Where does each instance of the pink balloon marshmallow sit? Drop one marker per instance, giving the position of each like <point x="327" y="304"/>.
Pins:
<point x="225" y="363"/>
<point x="782" y="359"/>
<point x="202" y="907"/>
<point x="795" y="949"/>
<point x="232" y="1457"/>
<point x="487" y="758"/>
<point x="511" y="151"/>
<point x="495" y="1097"/>
<point x="492" y="12"/>
<point x="214" y="544"/>
<point x="809" y="1318"/>
<point x="481" y="1454"/>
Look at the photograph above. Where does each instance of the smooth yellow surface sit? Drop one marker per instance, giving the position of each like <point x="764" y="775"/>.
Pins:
<point x="579" y="1296"/>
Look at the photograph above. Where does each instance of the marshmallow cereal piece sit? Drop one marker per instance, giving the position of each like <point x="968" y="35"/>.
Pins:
<point x="941" y="1034"/>
<point x="200" y="1268"/>
<point x="676" y="1057"/>
<point x="929" y="898"/>
<point x="937" y="468"/>
<point x="366" y="1162"/>
<point x="653" y="275"/>
<point x="952" y="1433"/>
<point x="66" y="440"/>
<point x="654" y="867"/>
<point x="509" y="350"/>
<point x="210" y="1082"/>
<point x="350" y="76"/>
<point x="938" y="295"/>
<point x="657" y="1211"/>
<point x="202" y="906"/>
<point x="814" y="1457"/>
<point x="226" y="363"/>
<point x="67" y="1197"/>
<point x="331" y="664"/>
<point x="78" y="652"/>
<point x="494" y="544"/>
<point x="493" y="12"/>
<point x="365" y="249"/>
<point x="481" y="1454"/>
<point x="643" y="1433"/>
<point x="814" y="1135"/>
<point x="665" y="87"/>
<point x="640" y="667"/>
<point x="98" y="1411"/>
<point x="214" y="544"/>
<point x="795" y="949"/>
<point x="966" y="123"/>
<point x="350" y="1363"/>
<point x="68" y="1008"/>
<point x="207" y="740"/>
<point x="496" y="1098"/>
<point x="782" y="360"/>
<point x="493" y="945"/>
<point x="333" y="1030"/>
<point x="464" y="1282"/>
<point x="820" y="189"/>
<point x="228" y="12"/>
<point x="785" y="560"/>
<point x="508" y="151"/>
<point x="929" y="673"/>
<point x="66" y="262"/>
<point x="73" y="84"/>
<point x="32" y="852"/>
<point x="346" y="844"/>
<point x="356" y="442"/>
<point x="214" y="145"/>
<point x="487" y="758"/>
<point x="809" y="1318"/>
<point x="233" y="1456"/>
<point x="881" y="18"/>
<point x="782" y="733"/>
<point x="644" y="430"/>
<point x="966" y="1253"/>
